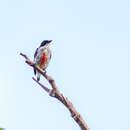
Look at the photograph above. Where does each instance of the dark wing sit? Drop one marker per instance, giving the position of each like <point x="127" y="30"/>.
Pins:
<point x="35" y="54"/>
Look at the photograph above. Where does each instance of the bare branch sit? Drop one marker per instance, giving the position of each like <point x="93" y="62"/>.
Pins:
<point x="54" y="92"/>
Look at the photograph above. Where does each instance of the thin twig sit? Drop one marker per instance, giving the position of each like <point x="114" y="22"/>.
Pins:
<point x="44" y="87"/>
<point x="54" y="92"/>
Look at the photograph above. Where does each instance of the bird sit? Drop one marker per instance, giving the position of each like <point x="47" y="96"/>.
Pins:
<point x="42" y="57"/>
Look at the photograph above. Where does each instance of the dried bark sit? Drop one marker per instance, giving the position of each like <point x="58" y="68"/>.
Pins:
<point x="54" y="92"/>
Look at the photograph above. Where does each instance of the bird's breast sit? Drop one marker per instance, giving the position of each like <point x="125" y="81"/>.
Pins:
<point x="43" y="60"/>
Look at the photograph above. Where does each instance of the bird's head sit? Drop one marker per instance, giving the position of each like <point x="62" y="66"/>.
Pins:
<point x="45" y="43"/>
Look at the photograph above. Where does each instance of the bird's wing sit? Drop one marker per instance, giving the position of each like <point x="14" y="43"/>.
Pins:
<point x="35" y="54"/>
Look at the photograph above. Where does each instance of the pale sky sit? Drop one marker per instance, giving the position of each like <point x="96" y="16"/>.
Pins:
<point x="90" y="63"/>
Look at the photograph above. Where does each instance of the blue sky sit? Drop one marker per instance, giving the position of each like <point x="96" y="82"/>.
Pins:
<point x="90" y="63"/>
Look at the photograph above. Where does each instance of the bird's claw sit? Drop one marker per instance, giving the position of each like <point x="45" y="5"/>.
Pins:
<point x="45" y="72"/>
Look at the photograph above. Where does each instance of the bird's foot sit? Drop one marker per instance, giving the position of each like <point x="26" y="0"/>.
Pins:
<point x="33" y="64"/>
<point x="45" y="72"/>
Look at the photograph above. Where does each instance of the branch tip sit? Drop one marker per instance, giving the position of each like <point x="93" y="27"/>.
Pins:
<point x="44" y="87"/>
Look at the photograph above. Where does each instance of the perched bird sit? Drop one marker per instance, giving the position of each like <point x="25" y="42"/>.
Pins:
<point x="42" y="56"/>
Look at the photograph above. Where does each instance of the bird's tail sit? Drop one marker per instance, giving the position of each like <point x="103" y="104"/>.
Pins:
<point x="38" y="76"/>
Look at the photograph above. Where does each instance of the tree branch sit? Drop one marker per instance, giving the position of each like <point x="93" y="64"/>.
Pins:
<point x="54" y="92"/>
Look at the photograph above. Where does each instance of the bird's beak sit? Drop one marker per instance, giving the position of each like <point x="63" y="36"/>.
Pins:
<point x="50" y="41"/>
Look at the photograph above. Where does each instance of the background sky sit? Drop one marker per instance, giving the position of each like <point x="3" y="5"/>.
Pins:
<point x="90" y="63"/>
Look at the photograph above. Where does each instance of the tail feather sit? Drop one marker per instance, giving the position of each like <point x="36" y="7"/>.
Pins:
<point x="38" y="76"/>
<point x="34" y="71"/>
